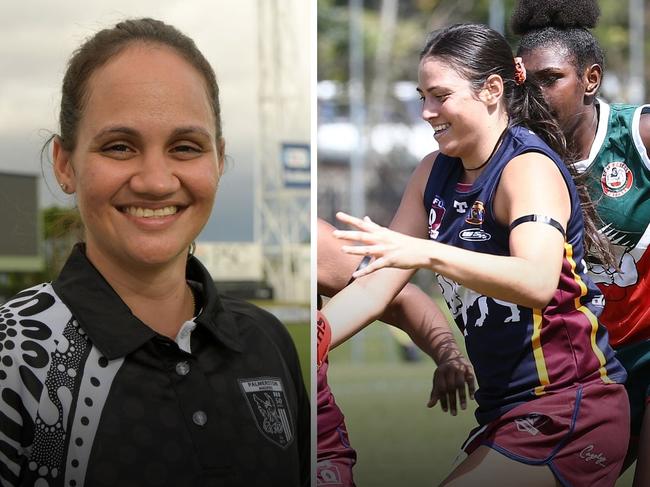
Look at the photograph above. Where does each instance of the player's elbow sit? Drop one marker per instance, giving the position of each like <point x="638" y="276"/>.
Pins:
<point x="540" y="293"/>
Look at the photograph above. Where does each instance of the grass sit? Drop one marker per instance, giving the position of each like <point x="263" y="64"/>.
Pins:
<point x="301" y="335"/>
<point x="398" y="440"/>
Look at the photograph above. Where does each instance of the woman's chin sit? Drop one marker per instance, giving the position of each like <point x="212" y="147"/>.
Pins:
<point x="147" y="253"/>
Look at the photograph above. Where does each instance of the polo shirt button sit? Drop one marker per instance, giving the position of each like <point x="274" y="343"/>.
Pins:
<point x="182" y="368"/>
<point x="200" y="418"/>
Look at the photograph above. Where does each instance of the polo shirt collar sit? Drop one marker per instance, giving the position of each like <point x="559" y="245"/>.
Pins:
<point x="108" y="321"/>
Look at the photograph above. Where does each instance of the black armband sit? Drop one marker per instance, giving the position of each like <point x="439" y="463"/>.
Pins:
<point x="538" y="218"/>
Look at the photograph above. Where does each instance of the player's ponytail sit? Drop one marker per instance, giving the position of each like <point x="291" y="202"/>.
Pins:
<point x="526" y="106"/>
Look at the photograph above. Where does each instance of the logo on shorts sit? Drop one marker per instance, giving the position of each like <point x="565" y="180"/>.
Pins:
<point x="616" y="179"/>
<point x="268" y="405"/>
<point x="328" y="473"/>
<point x="588" y="455"/>
<point x="530" y="423"/>
<point x="436" y="213"/>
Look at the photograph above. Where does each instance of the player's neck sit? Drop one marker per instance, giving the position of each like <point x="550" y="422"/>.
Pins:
<point x="585" y="134"/>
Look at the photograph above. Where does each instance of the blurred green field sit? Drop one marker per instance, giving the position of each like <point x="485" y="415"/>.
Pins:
<point x="300" y="333"/>
<point x="398" y="440"/>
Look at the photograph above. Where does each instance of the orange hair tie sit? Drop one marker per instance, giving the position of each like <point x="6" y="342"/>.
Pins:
<point x="520" y="71"/>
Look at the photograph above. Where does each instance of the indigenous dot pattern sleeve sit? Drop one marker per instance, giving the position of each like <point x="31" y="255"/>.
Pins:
<point x="89" y="395"/>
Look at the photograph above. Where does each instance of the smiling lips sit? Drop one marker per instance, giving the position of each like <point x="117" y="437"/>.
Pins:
<point x="440" y="128"/>
<point x="149" y="212"/>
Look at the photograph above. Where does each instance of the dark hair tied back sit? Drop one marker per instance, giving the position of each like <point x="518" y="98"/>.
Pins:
<point x="559" y="24"/>
<point x="100" y="48"/>
<point x="476" y="52"/>
<point x="531" y="15"/>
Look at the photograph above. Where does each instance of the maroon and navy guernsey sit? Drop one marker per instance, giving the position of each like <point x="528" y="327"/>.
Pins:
<point x="518" y="353"/>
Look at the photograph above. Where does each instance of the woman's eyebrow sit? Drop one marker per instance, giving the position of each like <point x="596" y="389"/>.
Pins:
<point x="130" y="131"/>
<point x="117" y="129"/>
<point x="191" y="129"/>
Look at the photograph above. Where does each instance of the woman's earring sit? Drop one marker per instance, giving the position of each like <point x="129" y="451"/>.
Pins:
<point x="64" y="187"/>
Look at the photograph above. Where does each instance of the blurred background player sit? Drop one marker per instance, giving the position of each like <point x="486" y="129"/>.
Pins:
<point x="610" y="142"/>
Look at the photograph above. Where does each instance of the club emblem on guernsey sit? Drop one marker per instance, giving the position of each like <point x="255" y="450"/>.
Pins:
<point x="436" y="213"/>
<point x="268" y="405"/>
<point x="476" y="213"/>
<point x="616" y="179"/>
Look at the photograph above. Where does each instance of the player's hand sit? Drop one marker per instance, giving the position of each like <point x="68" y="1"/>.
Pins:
<point x="390" y="249"/>
<point x="449" y="382"/>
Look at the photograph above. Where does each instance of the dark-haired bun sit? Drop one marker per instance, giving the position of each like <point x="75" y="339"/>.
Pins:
<point x="561" y="14"/>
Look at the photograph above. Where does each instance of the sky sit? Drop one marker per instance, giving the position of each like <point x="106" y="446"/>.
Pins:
<point x="38" y="36"/>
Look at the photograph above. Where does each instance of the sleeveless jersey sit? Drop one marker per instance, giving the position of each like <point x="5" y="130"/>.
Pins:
<point x="618" y="174"/>
<point x="518" y="353"/>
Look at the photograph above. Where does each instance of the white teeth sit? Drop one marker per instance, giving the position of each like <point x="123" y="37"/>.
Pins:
<point x="149" y="213"/>
<point x="438" y="128"/>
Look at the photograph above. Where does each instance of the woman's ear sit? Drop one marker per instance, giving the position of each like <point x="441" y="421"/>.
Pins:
<point x="492" y="90"/>
<point x="63" y="169"/>
<point x="592" y="78"/>
<point x="221" y="154"/>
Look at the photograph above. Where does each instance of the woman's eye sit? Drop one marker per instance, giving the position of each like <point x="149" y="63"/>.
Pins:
<point x="549" y="80"/>
<point x="117" y="148"/>
<point x="186" y="148"/>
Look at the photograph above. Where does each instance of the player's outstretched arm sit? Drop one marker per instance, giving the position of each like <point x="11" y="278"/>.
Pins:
<point x="366" y="298"/>
<point x="527" y="277"/>
<point x="414" y="312"/>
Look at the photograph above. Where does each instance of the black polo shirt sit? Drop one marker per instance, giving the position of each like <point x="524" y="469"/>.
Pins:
<point x="90" y="395"/>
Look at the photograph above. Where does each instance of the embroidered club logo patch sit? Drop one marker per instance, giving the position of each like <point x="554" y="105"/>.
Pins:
<point x="328" y="474"/>
<point x="531" y="423"/>
<point x="616" y="179"/>
<point x="268" y="404"/>
<point x="436" y="213"/>
<point x="476" y="213"/>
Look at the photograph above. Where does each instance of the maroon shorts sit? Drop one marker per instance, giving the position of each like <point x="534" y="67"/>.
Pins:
<point x="335" y="459"/>
<point x="581" y="433"/>
<point x="335" y="455"/>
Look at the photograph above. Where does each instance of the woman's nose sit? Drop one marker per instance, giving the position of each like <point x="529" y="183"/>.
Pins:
<point x="155" y="176"/>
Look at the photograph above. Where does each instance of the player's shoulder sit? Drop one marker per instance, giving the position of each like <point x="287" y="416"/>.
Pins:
<point x="644" y="127"/>
<point x="423" y="170"/>
<point x="427" y="161"/>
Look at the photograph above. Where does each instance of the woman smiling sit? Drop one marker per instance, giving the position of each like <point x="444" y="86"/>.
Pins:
<point x="129" y="368"/>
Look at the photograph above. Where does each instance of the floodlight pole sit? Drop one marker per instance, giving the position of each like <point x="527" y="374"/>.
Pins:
<point x="497" y="16"/>
<point x="636" y="88"/>
<point x="357" y="109"/>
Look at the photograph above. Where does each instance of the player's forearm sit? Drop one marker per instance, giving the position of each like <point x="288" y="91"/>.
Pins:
<point x="362" y="302"/>
<point x="518" y="280"/>
<point x="420" y="317"/>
